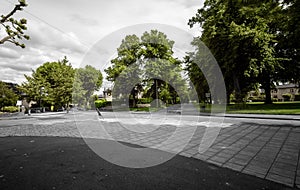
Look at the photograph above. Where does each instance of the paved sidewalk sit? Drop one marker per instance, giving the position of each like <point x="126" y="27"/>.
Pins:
<point x="266" y="151"/>
<point x="265" y="116"/>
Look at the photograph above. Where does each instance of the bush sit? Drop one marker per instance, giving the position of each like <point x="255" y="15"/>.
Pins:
<point x="144" y="100"/>
<point x="297" y="97"/>
<point x="100" y="103"/>
<point x="257" y="99"/>
<point x="10" y="109"/>
<point x="287" y="97"/>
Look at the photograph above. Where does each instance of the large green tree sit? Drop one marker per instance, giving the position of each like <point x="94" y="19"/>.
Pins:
<point x="7" y="96"/>
<point x="125" y="67"/>
<point x="144" y="64"/>
<point x="289" y="44"/>
<point x="51" y="83"/>
<point x="197" y="78"/>
<point x="14" y="29"/>
<point x="242" y="37"/>
<point x="87" y="81"/>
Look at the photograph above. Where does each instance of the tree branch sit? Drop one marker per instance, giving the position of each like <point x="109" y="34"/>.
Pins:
<point x="18" y="7"/>
<point x="3" y="40"/>
<point x="14" y="28"/>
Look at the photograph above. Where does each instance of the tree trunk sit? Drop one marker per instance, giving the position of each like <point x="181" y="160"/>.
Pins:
<point x="267" y="87"/>
<point x="228" y="93"/>
<point x="237" y="89"/>
<point x="134" y="100"/>
<point x="156" y="93"/>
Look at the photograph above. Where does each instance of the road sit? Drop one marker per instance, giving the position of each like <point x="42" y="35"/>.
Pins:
<point x="265" y="148"/>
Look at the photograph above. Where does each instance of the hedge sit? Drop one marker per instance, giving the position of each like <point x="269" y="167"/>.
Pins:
<point x="10" y="109"/>
<point x="287" y="97"/>
<point x="297" y="97"/>
<point x="100" y="103"/>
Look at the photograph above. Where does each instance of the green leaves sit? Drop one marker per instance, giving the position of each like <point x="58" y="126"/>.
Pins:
<point x="87" y="81"/>
<point x="7" y="96"/>
<point x="14" y="28"/>
<point x="141" y="62"/>
<point x="56" y="80"/>
<point x="242" y="37"/>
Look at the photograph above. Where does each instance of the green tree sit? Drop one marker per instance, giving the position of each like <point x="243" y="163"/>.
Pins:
<point x="289" y="45"/>
<point x="7" y="96"/>
<point x="78" y="92"/>
<point x="143" y="64"/>
<point x="87" y="81"/>
<point x="242" y="37"/>
<point x="52" y="83"/>
<point x="14" y="28"/>
<point x="125" y="67"/>
<point x="160" y="65"/>
<point x="196" y="76"/>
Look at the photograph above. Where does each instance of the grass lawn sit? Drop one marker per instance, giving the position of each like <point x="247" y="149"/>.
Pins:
<point x="261" y="108"/>
<point x="279" y="108"/>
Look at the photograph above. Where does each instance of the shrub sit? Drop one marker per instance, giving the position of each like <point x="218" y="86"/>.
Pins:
<point x="10" y="109"/>
<point x="144" y="100"/>
<point x="297" y="97"/>
<point x="257" y="98"/>
<point x="100" y="103"/>
<point x="287" y="97"/>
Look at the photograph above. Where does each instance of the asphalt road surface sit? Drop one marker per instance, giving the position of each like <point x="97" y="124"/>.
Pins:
<point x="50" y="151"/>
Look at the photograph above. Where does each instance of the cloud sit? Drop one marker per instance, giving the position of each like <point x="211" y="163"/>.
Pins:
<point x="83" y="20"/>
<point x="44" y="36"/>
<point x="19" y="68"/>
<point x="46" y="45"/>
<point x="8" y="53"/>
<point x="58" y="29"/>
<point x="191" y="3"/>
<point x="10" y="75"/>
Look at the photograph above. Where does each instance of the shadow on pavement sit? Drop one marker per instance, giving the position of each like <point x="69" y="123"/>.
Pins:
<point x="68" y="163"/>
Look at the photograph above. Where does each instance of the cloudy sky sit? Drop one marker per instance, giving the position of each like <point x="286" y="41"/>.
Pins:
<point x="59" y="28"/>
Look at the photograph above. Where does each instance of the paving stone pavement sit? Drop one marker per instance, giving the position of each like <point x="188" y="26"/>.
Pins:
<point x="266" y="151"/>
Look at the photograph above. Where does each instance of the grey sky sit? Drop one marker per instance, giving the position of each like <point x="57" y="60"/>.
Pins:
<point x="71" y="27"/>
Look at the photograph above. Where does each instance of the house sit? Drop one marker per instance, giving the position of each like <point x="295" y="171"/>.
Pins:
<point x="285" y="92"/>
<point x="106" y="95"/>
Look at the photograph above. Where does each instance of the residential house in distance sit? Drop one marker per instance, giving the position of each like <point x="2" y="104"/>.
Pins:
<point x="282" y="92"/>
<point x="106" y="95"/>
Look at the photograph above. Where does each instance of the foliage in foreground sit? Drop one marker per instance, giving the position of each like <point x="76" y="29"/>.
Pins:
<point x="14" y="29"/>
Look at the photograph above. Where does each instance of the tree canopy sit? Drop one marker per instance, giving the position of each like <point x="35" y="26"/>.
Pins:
<point x="14" y="28"/>
<point x="52" y="82"/>
<point x="242" y="36"/>
<point x="143" y="65"/>
<point x="58" y="84"/>
<point x="7" y="96"/>
<point x="288" y="42"/>
<point x="87" y="81"/>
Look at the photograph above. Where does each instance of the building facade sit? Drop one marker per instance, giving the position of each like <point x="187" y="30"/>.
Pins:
<point x="285" y="92"/>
